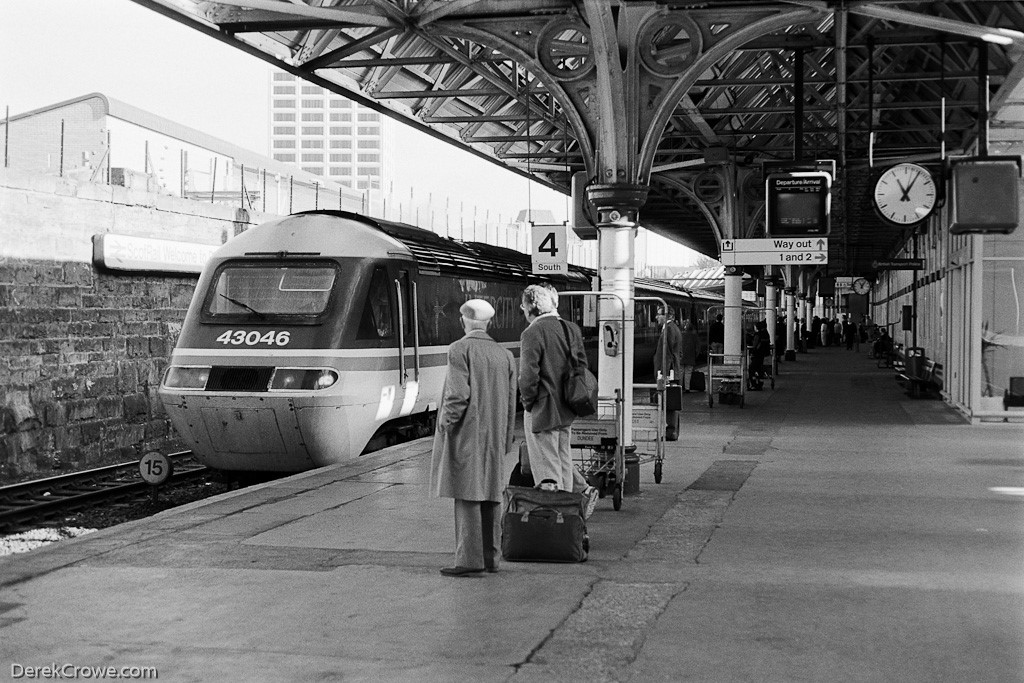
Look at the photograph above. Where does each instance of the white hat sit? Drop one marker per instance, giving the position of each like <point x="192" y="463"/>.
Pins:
<point x="477" y="309"/>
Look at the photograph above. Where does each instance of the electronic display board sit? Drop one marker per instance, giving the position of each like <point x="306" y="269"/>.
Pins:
<point x="798" y="204"/>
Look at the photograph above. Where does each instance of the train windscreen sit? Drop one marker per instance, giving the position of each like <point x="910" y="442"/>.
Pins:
<point x="262" y="290"/>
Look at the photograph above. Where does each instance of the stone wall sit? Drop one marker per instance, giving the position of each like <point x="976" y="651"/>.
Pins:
<point x="82" y="351"/>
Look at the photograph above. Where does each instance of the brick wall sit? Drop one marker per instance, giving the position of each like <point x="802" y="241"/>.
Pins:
<point x="82" y="352"/>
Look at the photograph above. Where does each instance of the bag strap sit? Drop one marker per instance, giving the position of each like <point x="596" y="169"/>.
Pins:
<point x="568" y="342"/>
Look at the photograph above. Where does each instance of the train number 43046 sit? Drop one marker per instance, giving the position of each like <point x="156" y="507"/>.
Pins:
<point x="254" y="338"/>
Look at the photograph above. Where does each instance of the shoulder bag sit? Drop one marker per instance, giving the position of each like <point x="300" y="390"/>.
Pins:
<point x="579" y="385"/>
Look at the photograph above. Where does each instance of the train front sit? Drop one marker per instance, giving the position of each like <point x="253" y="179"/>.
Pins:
<point x="264" y="376"/>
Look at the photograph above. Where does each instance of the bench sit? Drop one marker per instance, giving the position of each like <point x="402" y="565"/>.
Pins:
<point x="925" y="377"/>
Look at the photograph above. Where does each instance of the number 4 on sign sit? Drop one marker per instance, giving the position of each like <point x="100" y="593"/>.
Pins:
<point x="548" y="252"/>
<point x="549" y="244"/>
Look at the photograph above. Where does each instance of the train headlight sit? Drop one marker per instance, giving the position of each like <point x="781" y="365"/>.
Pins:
<point x="182" y="377"/>
<point x="307" y="379"/>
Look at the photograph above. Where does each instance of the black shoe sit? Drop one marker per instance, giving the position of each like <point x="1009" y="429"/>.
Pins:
<point x="461" y="571"/>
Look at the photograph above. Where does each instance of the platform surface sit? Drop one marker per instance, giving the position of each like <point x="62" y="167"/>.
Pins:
<point x="833" y="529"/>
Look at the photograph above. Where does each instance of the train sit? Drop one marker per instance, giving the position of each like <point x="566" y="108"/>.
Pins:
<point x="323" y="335"/>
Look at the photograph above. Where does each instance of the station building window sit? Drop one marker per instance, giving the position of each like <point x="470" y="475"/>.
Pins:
<point x="341" y="104"/>
<point x="283" y="76"/>
<point x="341" y="171"/>
<point x="312" y="130"/>
<point x="341" y="116"/>
<point x="312" y="116"/>
<point x="284" y="116"/>
<point x="368" y="116"/>
<point x="341" y="130"/>
<point x="341" y="158"/>
<point x="284" y="90"/>
<point x="369" y="144"/>
<point x="341" y="144"/>
<point x="368" y="130"/>
<point x="312" y="144"/>
<point x="369" y="158"/>
<point x="284" y="156"/>
<point x="284" y="104"/>
<point x="367" y="170"/>
<point x="284" y="130"/>
<point x="315" y="170"/>
<point x="284" y="144"/>
<point x="313" y="104"/>
<point x="313" y="157"/>
<point x="312" y="90"/>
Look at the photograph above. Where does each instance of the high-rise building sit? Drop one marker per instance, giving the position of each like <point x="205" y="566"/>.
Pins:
<point x="328" y="135"/>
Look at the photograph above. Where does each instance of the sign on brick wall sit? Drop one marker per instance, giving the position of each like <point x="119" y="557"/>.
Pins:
<point x="126" y="252"/>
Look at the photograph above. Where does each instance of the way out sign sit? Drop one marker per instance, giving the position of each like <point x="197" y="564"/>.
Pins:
<point x="549" y="249"/>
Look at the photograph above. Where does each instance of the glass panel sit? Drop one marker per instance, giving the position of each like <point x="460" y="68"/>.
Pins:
<point x="263" y="291"/>
<point x="1002" y="326"/>
<point x="376" y="320"/>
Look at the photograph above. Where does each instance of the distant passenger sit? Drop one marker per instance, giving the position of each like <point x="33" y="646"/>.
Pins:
<point x="475" y="420"/>
<point x="716" y="336"/>
<point x="667" y="360"/>
<point x="760" y="347"/>
<point x="688" y="354"/>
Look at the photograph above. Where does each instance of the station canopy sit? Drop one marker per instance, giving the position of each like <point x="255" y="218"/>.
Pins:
<point x="866" y="84"/>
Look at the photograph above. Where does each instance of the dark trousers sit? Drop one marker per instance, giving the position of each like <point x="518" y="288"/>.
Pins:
<point x="477" y="533"/>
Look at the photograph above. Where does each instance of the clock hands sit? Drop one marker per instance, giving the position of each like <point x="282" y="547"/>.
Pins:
<point x="905" y="197"/>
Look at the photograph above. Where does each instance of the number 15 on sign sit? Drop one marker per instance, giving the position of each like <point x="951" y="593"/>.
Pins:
<point x="548" y="251"/>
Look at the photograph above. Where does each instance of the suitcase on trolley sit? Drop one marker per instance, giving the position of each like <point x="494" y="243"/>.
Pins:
<point x="543" y="526"/>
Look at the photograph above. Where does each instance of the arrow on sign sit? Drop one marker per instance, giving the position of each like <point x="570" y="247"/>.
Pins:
<point x="822" y="244"/>
<point x="727" y="245"/>
<point x="821" y="257"/>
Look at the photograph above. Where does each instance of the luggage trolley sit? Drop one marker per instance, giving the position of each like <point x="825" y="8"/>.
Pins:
<point x="650" y="420"/>
<point x="727" y="373"/>
<point x="600" y="440"/>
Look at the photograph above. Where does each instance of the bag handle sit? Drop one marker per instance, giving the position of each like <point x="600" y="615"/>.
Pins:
<point x="559" y="519"/>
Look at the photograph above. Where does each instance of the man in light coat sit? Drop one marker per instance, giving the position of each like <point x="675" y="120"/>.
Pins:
<point x="475" y="421"/>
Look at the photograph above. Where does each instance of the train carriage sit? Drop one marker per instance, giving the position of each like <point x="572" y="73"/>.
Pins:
<point x="312" y="337"/>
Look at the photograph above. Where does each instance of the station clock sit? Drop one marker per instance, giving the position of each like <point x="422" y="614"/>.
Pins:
<point x="905" y="194"/>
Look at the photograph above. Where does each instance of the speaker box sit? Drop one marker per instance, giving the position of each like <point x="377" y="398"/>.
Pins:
<point x="985" y="197"/>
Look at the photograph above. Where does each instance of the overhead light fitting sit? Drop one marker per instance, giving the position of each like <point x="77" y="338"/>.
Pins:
<point x="998" y="36"/>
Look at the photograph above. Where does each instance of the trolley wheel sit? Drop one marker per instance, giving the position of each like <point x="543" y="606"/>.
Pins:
<point x="657" y="472"/>
<point x="617" y="497"/>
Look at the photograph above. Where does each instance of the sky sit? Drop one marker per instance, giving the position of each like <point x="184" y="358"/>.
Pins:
<point x="55" y="50"/>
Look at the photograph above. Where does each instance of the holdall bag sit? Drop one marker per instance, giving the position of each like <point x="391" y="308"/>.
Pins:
<point x="579" y="385"/>
<point x="674" y="396"/>
<point x="697" y="381"/>
<point x="543" y="526"/>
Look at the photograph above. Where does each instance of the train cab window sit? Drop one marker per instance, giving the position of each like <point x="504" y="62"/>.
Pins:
<point x="272" y="290"/>
<point x="376" y="320"/>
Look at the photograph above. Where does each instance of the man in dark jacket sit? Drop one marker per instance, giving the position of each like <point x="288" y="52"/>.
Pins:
<point x="543" y="365"/>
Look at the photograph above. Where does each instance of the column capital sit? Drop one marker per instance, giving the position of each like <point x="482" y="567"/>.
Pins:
<point x="621" y="198"/>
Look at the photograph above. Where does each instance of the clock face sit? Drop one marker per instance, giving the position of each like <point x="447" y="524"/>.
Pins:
<point x="861" y="286"/>
<point x="905" y="194"/>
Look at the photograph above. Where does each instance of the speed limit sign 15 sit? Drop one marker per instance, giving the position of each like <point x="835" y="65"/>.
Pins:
<point x="155" y="468"/>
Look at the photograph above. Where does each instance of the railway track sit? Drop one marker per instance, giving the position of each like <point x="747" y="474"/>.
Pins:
<point x="37" y="502"/>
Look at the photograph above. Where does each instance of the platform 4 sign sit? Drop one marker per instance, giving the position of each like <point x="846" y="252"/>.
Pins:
<point x="811" y="251"/>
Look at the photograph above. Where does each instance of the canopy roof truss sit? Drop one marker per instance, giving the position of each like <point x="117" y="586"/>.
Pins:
<point x="881" y="81"/>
